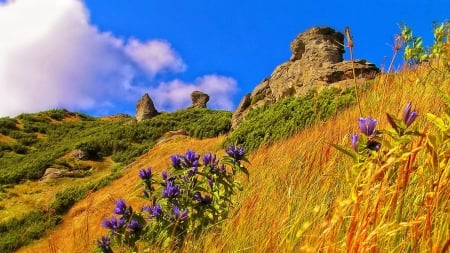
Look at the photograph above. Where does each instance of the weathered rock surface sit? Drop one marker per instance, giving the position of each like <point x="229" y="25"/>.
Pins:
<point x="79" y="154"/>
<point x="316" y="61"/>
<point x="145" y="109"/>
<point x="199" y="99"/>
<point x="52" y="173"/>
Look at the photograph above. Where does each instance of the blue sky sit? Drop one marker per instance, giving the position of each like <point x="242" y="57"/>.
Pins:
<point x="99" y="57"/>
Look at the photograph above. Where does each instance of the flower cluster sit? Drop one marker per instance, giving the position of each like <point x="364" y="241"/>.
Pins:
<point x="189" y="197"/>
<point x="371" y="135"/>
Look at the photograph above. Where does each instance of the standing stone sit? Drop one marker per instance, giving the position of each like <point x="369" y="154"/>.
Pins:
<point x="199" y="99"/>
<point x="316" y="61"/>
<point x="145" y="109"/>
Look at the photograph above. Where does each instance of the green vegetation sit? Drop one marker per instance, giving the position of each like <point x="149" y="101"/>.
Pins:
<point x="21" y="231"/>
<point x="28" y="156"/>
<point x="280" y="120"/>
<point x="43" y="140"/>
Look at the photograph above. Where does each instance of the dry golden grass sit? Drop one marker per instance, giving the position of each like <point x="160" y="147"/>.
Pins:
<point x="82" y="225"/>
<point x="297" y="198"/>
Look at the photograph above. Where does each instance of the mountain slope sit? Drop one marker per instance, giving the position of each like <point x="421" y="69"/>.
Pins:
<point x="297" y="198"/>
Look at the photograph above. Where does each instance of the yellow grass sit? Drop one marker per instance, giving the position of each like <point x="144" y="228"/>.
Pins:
<point x="297" y="198"/>
<point x="32" y="195"/>
<point x="82" y="225"/>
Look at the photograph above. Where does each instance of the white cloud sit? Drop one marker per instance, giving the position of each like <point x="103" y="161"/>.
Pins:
<point x="154" y="56"/>
<point x="50" y="56"/>
<point x="176" y="94"/>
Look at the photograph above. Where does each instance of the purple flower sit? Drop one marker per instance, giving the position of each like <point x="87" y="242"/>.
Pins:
<point x="210" y="182"/>
<point x="367" y="126"/>
<point x="113" y="224"/>
<point x="409" y="116"/>
<point x="198" y="196"/>
<point x="164" y="175"/>
<point x="121" y="207"/>
<point x="104" y="244"/>
<point x="134" y="226"/>
<point x="190" y="159"/>
<point x="157" y="210"/>
<point x="193" y="171"/>
<point x="236" y="153"/>
<point x="222" y="169"/>
<point x="146" y="208"/>
<point x="145" y="174"/>
<point x="178" y="214"/>
<point x="171" y="190"/>
<point x="176" y="161"/>
<point x="355" y="139"/>
<point x="210" y="159"/>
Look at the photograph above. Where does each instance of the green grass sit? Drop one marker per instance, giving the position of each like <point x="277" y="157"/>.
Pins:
<point x="282" y="119"/>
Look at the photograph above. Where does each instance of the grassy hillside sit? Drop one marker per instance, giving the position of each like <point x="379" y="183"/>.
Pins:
<point x="305" y="195"/>
<point x="298" y="197"/>
<point x="31" y="143"/>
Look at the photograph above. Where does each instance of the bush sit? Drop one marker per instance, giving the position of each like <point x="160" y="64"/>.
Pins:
<point x="18" y="232"/>
<point x="280" y="120"/>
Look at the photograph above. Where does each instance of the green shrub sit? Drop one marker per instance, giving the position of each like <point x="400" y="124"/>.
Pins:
<point x="6" y="125"/>
<point x="280" y="120"/>
<point x="18" y="232"/>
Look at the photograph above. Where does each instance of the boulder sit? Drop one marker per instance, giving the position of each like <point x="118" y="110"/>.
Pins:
<point x="145" y="109"/>
<point x="199" y="99"/>
<point x="316" y="61"/>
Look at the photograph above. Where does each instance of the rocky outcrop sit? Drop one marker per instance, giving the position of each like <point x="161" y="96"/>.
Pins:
<point x="79" y="154"/>
<point x="316" y="61"/>
<point x="145" y="109"/>
<point x="199" y="99"/>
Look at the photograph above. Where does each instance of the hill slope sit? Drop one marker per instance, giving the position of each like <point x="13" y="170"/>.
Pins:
<point x="298" y="197"/>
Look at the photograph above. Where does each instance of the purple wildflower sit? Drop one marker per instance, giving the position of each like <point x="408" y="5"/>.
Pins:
<point x="121" y="207"/>
<point x="146" y="208"/>
<point x="198" y="196"/>
<point x="157" y="210"/>
<point x="191" y="159"/>
<point x="171" y="190"/>
<point x="409" y="116"/>
<point x="164" y="175"/>
<point x="236" y="153"/>
<point x="355" y="139"/>
<point x="134" y="226"/>
<point x="210" y="182"/>
<point x="367" y="126"/>
<point x="178" y="214"/>
<point x="210" y="159"/>
<point x="145" y="174"/>
<point x="193" y="171"/>
<point x="113" y="224"/>
<point x="176" y="161"/>
<point x="104" y="244"/>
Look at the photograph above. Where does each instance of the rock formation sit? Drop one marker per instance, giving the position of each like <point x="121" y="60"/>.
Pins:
<point x="316" y="61"/>
<point x="199" y="99"/>
<point x="145" y="109"/>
